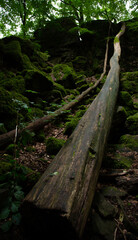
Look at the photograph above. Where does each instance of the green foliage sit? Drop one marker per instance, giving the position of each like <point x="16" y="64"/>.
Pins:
<point x="27" y="137"/>
<point x="25" y="14"/>
<point x="11" y="194"/>
<point x="29" y="15"/>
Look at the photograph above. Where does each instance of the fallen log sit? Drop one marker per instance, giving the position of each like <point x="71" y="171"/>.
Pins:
<point x="59" y="203"/>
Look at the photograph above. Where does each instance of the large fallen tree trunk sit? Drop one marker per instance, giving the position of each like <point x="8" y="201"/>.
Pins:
<point x="58" y="205"/>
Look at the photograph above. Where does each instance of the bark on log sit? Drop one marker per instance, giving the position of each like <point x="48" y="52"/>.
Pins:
<point x="60" y="201"/>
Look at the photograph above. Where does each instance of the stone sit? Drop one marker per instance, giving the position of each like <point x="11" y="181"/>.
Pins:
<point x="132" y="124"/>
<point x="37" y="80"/>
<point x="105" y="208"/>
<point x="111" y="191"/>
<point x="103" y="227"/>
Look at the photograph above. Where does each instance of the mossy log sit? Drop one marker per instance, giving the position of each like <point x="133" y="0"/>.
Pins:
<point x="59" y="204"/>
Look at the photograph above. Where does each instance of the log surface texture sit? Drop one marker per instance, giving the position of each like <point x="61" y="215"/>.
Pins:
<point x="61" y="200"/>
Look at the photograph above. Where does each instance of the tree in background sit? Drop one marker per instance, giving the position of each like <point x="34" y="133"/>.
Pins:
<point x="24" y="14"/>
<point x="86" y="10"/>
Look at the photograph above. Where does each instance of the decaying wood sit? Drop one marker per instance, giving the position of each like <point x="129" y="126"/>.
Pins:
<point x="59" y="204"/>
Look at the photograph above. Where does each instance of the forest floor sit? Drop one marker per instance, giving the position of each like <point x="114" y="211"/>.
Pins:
<point x="122" y="179"/>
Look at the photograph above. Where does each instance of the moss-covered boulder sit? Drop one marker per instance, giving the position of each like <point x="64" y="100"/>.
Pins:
<point x="125" y="99"/>
<point x="65" y="75"/>
<point x="53" y="145"/>
<point x="129" y="82"/>
<point x="12" y="55"/>
<point x="12" y="81"/>
<point x="7" y="111"/>
<point x="38" y="81"/>
<point x="79" y="63"/>
<point x="130" y="141"/>
<point x="132" y="124"/>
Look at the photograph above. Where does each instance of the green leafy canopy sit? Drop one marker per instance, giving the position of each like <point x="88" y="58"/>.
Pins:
<point x="23" y="17"/>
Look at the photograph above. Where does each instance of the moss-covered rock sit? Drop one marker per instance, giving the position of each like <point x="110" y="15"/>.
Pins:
<point x="5" y="167"/>
<point x="129" y="82"/>
<point x="72" y="122"/>
<point x="53" y="145"/>
<point x="13" y="55"/>
<point x="26" y="62"/>
<point x="12" y="82"/>
<point x="125" y="99"/>
<point x="70" y="126"/>
<point x="79" y="63"/>
<point x="60" y="88"/>
<point x="130" y="141"/>
<point x="65" y="75"/>
<point x="132" y="124"/>
<point x="7" y="110"/>
<point x="38" y="81"/>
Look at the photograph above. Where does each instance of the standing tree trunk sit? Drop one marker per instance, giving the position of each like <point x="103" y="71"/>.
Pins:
<point x="59" y="204"/>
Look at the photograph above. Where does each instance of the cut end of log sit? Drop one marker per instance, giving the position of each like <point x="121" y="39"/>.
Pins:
<point x="44" y="223"/>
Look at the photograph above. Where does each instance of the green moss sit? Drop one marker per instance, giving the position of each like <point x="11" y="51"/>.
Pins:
<point x="34" y="113"/>
<point x="60" y="88"/>
<point x="11" y="149"/>
<point x="5" y="167"/>
<point x="40" y="136"/>
<point x="126" y="100"/>
<point x="13" y="54"/>
<point x="118" y="161"/>
<point x="12" y="82"/>
<point x="65" y="75"/>
<point x="70" y="126"/>
<point x="32" y="177"/>
<point x="53" y="145"/>
<point x="38" y="81"/>
<point x="129" y="82"/>
<point x="132" y="124"/>
<point x="7" y="110"/>
<point x="26" y="62"/>
<point x="130" y="141"/>
<point x="79" y="63"/>
<point x="83" y="88"/>
<point x="116" y="40"/>
<point x="80" y="113"/>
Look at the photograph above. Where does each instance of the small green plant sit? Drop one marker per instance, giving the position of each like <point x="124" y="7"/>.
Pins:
<point x="11" y="196"/>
